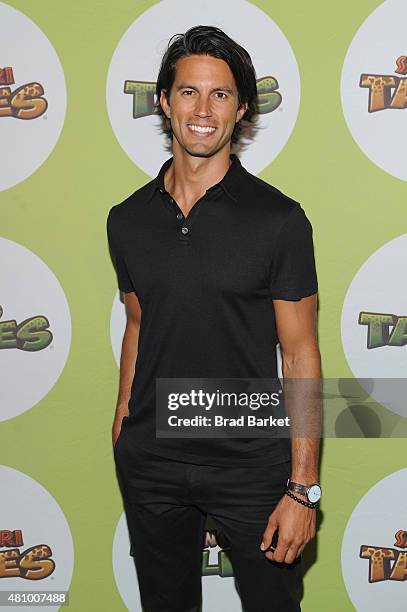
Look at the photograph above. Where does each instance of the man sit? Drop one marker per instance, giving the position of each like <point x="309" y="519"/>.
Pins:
<point x="216" y="266"/>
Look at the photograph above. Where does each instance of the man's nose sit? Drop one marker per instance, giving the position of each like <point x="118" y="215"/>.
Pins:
<point x="202" y="108"/>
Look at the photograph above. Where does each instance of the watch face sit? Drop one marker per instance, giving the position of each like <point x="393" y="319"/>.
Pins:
<point x="314" y="493"/>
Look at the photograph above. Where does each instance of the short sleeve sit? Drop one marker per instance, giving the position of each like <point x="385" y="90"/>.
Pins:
<point x="293" y="274"/>
<point x="123" y="279"/>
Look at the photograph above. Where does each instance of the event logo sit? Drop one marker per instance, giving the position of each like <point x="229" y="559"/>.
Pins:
<point x="130" y="88"/>
<point x="386" y="91"/>
<point x="223" y="567"/>
<point x="144" y="98"/>
<point x="378" y="329"/>
<point x="387" y="563"/>
<point x="374" y="325"/>
<point x="401" y="65"/>
<point x="24" y="102"/>
<point x="35" y="540"/>
<point x="32" y="334"/>
<point x="374" y="548"/>
<point x="33" y="90"/>
<point x="29" y="289"/>
<point x="33" y="563"/>
<point x="370" y="91"/>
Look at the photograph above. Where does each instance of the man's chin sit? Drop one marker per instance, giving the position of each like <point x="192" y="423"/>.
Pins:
<point x="200" y="151"/>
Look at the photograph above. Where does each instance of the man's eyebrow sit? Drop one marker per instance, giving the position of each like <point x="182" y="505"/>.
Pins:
<point x="219" y="88"/>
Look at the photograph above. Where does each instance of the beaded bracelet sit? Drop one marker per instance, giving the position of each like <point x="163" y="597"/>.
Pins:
<point x="301" y="501"/>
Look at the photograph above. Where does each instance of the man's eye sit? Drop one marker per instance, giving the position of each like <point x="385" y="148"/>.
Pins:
<point x="187" y="92"/>
<point x="221" y="95"/>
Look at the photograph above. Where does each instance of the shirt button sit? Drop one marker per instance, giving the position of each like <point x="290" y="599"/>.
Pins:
<point x="184" y="230"/>
<point x="180" y="216"/>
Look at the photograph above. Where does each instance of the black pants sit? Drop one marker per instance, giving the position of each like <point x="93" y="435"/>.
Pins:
<point x="166" y="503"/>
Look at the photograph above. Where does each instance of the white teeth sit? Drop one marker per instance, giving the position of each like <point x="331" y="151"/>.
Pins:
<point x="201" y="129"/>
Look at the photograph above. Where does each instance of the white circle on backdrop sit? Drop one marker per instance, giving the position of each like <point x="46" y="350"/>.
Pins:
<point x="218" y="593"/>
<point x="33" y="353"/>
<point x="378" y="287"/>
<point x="26" y="50"/>
<point x="30" y="508"/>
<point x="378" y="43"/>
<point x="138" y="56"/>
<point x="117" y="326"/>
<point x="374" y="522"/>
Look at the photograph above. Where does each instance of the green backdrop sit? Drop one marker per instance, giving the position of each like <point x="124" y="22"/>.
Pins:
<point x="60" y="213"/>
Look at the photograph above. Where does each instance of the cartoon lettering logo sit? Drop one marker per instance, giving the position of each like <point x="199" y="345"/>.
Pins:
<point x="378" y="329"/>
<point x="387" y="563"/>
<point x="34" y="563"/>
<point x="401" y="539"/>
<point x="32" y="334"/>
<point x="144" y="99"/>
<point x="25" y="102"/>
<point x="401" y="63"/>
<point x="386" y="91"/>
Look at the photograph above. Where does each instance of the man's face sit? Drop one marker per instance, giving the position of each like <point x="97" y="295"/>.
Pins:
<point x="203" y="105"/>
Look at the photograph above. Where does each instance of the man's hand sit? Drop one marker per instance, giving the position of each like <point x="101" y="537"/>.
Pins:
<point x="117" y="425"/>
<point x="128" y="359"/>
<point x="296" y="526"/>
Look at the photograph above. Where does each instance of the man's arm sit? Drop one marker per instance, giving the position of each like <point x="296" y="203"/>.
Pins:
<point x="296" y="324"/>
<point x="127" y="360"/>
<point x="297" y="332"/>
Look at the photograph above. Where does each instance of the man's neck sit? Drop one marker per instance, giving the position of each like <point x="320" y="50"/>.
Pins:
<point x="188" y="177"/>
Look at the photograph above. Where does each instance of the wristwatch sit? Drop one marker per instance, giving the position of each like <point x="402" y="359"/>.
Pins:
<point x="312" y="492"/>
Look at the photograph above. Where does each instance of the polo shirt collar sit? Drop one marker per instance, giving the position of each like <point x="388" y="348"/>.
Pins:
<point x="230" y="183"/>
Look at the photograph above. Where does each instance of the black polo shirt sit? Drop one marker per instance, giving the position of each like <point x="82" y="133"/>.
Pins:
<point x="205" y="284"/>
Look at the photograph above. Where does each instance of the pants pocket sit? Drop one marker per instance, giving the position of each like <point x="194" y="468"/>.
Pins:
<point x="120" y="435"/>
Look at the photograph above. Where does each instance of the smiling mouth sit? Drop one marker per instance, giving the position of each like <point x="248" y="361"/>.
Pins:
<point x="201" y="129"/>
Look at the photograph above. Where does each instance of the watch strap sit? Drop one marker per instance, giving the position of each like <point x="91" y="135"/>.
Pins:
<point x="297" y="488"/>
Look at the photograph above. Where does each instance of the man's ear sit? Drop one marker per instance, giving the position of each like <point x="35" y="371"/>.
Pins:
<point x="164" y="103"/>
<point x="241" y="111"/>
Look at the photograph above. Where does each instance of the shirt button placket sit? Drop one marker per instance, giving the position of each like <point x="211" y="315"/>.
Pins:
<point x="184" y="236"/>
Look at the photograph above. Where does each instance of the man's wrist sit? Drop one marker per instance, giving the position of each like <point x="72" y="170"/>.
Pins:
<point x="122" y="410"/>
<point x="301" y="500"/>
<point x="311" y="492"/>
